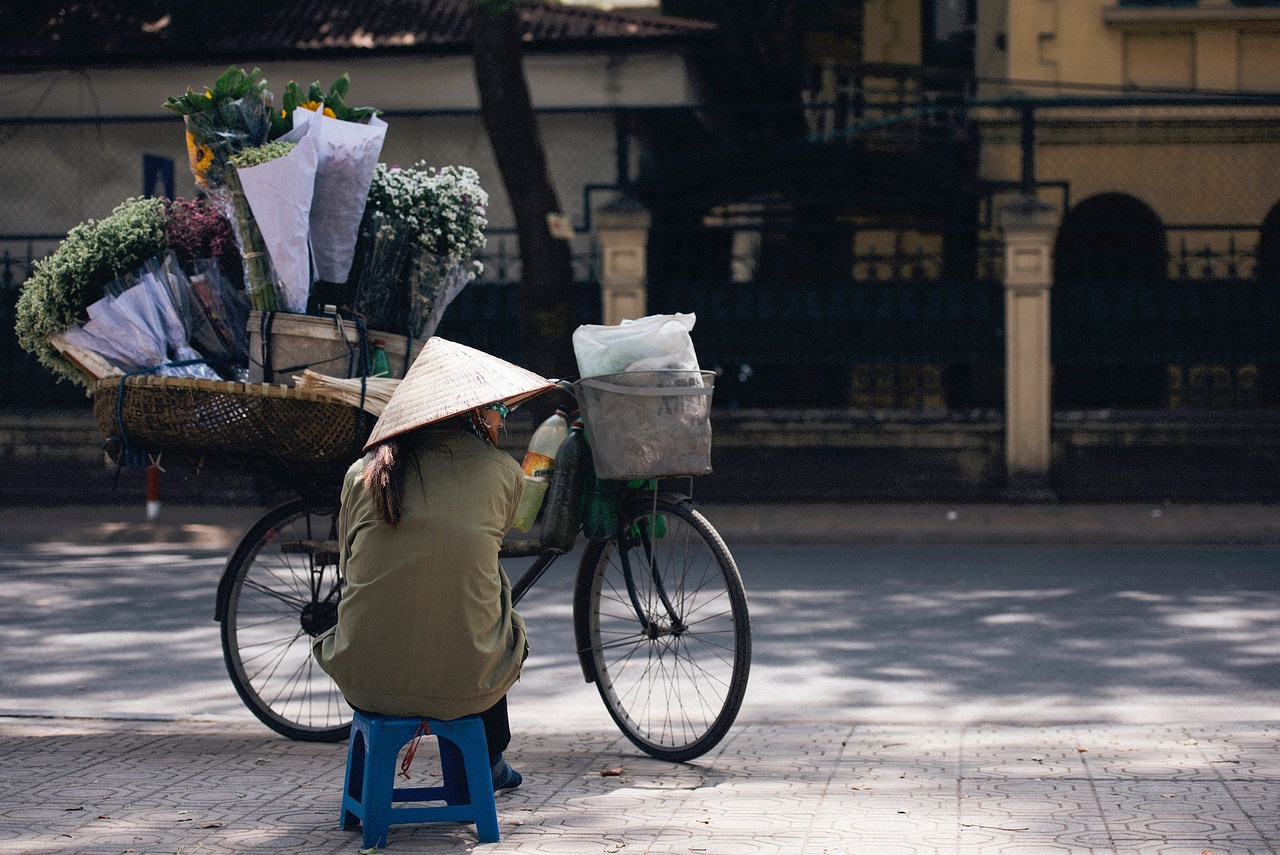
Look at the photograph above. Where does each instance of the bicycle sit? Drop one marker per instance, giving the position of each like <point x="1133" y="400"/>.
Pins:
<point x="659" y="610"/>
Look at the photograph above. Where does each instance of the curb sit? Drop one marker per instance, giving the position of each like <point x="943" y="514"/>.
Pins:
<point x="221" y="526"/>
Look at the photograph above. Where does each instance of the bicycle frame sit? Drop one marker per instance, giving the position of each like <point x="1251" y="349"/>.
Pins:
<point x="545" y="557"/>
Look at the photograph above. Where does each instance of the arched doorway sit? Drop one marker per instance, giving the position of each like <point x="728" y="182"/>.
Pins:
<point x="1109" y="256"/>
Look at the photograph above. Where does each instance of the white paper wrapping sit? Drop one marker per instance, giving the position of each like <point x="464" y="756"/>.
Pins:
<point x="280" y="193"/>
<point x="346" y="156"/>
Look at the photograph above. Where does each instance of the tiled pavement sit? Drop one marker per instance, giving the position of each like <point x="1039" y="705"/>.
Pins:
<point x="150" y="787"/>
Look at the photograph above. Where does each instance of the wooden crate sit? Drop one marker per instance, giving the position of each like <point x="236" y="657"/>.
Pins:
<point x="282" y="345"/>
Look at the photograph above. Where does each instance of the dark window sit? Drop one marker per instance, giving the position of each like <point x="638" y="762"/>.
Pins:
<point x="1109" y="255"/>
<point x="1269" y="247"/>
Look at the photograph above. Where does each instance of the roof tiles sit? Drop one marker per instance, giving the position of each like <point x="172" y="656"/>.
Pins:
<point x="103" y="31"/>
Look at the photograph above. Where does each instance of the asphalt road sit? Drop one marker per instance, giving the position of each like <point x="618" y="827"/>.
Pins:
<point x="936" y="634"/>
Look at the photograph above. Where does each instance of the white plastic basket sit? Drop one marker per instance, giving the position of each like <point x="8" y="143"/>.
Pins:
<point x="648" y="424"/>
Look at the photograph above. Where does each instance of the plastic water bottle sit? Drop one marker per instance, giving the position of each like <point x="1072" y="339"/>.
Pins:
<point x="561" y="518"/>
<point x="379" y="364"/>
<point x="539" y="463"/>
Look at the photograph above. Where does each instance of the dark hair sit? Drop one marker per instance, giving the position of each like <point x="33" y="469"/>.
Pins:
<point x="384" y="474"/>
<point x="384" y="478"/>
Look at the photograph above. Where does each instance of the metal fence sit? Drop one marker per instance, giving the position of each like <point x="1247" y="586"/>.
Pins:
<point x="1166" y="290"/>
<point x="1167" y="264"/>
<point x="895" y="333"/>
<point x="1167" y="261"/>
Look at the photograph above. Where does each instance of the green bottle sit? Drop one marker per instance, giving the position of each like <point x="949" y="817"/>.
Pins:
<point x="380" y="364"/>
<point x="601" y="503"/>
<point x="560" y="519"/>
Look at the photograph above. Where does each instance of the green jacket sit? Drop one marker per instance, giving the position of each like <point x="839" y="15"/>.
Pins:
<point x="426" y="626"/>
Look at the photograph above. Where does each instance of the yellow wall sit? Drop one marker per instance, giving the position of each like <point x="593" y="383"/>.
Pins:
<point x="1260" y="62"/>
<point x="1200" y="183"/>
<point x="1214" y="46"/>
<point x="1192" y="165"/>
<point x="891" y="31"/>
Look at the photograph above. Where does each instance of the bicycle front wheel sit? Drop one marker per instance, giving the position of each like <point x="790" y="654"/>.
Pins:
<point x="662" y="621"/>
<point x="281" y="589"/>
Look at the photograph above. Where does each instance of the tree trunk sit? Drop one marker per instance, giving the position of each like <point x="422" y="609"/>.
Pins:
<point x="546" y="284"/>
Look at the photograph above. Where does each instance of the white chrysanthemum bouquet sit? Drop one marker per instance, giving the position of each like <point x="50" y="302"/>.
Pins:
<point x="422" y="227"/>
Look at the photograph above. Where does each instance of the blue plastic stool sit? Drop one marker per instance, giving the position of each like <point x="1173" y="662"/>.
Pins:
<point x="370" y="789"/>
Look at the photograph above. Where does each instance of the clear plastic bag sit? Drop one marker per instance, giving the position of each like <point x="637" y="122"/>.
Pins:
<point x="652" y="343"/>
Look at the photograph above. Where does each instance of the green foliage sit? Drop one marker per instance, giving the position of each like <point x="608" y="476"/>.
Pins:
<point x="233" y="85"/>
<point x="331" y="103"/>
<point x="61" y="287"/>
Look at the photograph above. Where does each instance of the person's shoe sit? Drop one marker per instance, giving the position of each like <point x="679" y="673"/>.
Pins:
<point x="505" y="779"/>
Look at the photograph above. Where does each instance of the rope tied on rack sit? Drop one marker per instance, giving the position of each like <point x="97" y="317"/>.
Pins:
<point x="129" y="454"/>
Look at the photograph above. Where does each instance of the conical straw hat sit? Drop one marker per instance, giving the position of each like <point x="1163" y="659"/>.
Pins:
<point x="448" y="379"/>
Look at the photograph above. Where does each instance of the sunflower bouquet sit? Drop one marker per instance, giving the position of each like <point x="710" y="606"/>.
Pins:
<point x="231" y="115"/>
<point x="327" y="177"/>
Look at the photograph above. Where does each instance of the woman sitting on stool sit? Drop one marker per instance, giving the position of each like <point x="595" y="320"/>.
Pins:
<point x="426" y="627"/>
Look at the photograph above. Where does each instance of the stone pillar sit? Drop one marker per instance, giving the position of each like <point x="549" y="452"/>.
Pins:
<point x="622" y="234"/>
<point x="1029" y="226"/>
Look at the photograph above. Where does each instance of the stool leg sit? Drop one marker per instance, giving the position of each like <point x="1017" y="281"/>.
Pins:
<point x="466" y="739"/>
<point x="454" y="769"/>
<point x="354" y="786"/>
<point x="379" y="781"/>
<point x="480" y="782"/>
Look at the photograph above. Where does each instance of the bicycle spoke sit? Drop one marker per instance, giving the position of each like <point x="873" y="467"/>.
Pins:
<point x="280" y="598"/>
<point x="669" y="632"/>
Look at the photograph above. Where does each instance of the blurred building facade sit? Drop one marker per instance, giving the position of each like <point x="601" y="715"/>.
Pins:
<point x="1152" y="128"/>
<point x="848" y="253"/>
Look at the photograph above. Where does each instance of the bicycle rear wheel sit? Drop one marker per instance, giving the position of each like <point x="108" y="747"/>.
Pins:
<point x="281" y="589"/>
<point x="661" y="618"/>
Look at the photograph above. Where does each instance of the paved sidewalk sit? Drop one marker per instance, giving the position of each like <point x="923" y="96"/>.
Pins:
<point x="95" y="787"/>
<point x="879" y="670"/>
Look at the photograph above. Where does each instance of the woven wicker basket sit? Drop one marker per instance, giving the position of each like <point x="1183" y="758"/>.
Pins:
<point x="299" y="434"/>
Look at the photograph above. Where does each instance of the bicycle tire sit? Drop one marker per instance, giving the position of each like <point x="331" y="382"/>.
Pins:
<point x="674" y="687"/>
<point x="281" y="589"/>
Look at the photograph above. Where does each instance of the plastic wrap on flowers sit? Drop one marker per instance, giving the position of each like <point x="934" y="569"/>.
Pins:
<point x="434" y="280"/>
<point x="214" y="136"/>
<point x="384" y="250"/>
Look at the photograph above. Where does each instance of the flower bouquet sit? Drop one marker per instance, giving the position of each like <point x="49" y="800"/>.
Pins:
<point x="271" y="210"/>
<point x="203" y="243"/>
<point x="347" y="141"/>
<point x="232" y="115"/>
<point x="144" y="323"/>
<point x="421" y="229"/>
<point x="294" y="206"/>
<point x="115" y="289"/>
